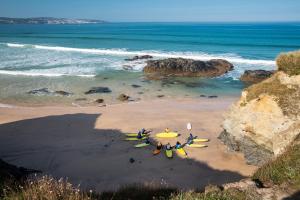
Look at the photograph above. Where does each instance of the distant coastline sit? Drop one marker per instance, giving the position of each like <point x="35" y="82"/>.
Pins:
<point x="48" y="20"/>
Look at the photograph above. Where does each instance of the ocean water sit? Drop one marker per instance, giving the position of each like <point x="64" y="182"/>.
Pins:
<point x="76" y="57"/>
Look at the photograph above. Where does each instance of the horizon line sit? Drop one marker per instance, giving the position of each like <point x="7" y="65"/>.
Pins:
<point x="155" y="21"/>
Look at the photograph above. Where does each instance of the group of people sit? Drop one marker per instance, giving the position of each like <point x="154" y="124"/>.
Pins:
<point x="142" y="133"/>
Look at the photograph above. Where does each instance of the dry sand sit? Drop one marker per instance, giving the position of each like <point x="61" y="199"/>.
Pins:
<point x="86" y="144"/>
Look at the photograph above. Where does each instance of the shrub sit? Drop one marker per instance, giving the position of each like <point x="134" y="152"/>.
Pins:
<point x="289" y="63"/>
<point x="46" y="188"/>
<point x="283" y="170"/>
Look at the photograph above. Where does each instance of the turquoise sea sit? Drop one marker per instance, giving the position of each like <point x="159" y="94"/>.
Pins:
<point x="74" y="58"/>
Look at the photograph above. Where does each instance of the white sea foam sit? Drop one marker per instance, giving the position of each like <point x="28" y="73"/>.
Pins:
<point x="158" y="54"/>
<point x="15" y="45"/>
<point x="26" y="73"/>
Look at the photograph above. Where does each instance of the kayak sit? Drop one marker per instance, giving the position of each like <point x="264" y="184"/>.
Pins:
<point x="181" y="151"/>
<point x="200" y="140"/>
<point x="167" y="135"/>
<point x="156" y="152"/>
<point x="135" y="139"/>
<point x="197" y="145"/>
<point x="141" y="145"/>
<point x="169" y="153"/>
<point x="135" y="134"/>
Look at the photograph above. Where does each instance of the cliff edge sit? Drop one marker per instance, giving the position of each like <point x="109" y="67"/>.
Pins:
<point x="266" y="119"/>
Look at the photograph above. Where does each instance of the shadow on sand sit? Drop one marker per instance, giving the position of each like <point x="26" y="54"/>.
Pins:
<point x="98" y="159"/>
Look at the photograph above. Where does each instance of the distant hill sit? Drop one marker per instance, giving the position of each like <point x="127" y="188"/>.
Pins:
<point x="48" y="20"/>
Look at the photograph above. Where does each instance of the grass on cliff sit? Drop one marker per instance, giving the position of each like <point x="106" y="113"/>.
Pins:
<point x="284" y="170"/>
<point x="287" y="98"/>
<point x="48" y="188"/>
<point x="289" y="63"/>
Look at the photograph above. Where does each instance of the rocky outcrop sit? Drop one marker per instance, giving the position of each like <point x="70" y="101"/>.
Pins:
<point x="143" y="57"/>
<point x="187" y="67"/>
<point x="266" y="119"/>
<point x="46" y="91"/>
<point x="255" y="76"/>
<point x="95" y="90"/>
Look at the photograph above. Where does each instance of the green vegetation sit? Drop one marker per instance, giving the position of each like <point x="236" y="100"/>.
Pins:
<point x="289" y="63"/>
<point x="286" y="97"/>
<point x="230" y="194"/>
<point x="284" y="170"/>
<point x="50" y="189"/>
<point x="45" y="188"/>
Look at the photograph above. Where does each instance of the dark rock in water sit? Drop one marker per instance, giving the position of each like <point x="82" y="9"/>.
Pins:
<point x="127" y="67"/>
<point x="255" y="76"/>
<point x="139" y="58"/>
<point x="254" y="154"/>
<point x="202" y="95"/>
<point x="46" y="91"/>
<point x="212" y="96"/>
<point x="140" y="92"/>
<point x="95" y="90"/>
<point x="81" y="99"/>
<point x="188" y="67"/>
<point x="131" y="160"/>
<point x="42" y="91"/>
<point x="193" y="85"/>
<point x="105" y="78"/>
<point x="135" y="86"/>
<point x="123" y="97"/>
<point x="99" y="101"/>
<point x="146" y="81"/>
<point x="160" y="96"/>
<point x="62" y="93"/>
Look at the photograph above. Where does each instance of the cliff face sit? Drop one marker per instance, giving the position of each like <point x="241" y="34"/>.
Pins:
<point x="265" y="120"/>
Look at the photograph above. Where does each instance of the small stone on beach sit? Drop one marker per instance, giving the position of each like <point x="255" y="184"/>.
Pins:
<point x="99" y="101"/>
<point x="123" y="97"/>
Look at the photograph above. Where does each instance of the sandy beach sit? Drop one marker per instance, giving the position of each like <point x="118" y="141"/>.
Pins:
<point x="86" y="144"/>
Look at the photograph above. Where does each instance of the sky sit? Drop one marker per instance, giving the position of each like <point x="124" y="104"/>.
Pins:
<point x="157" y="10"/>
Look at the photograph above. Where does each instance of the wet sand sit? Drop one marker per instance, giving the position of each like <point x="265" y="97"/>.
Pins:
<point x="86" y="144"/>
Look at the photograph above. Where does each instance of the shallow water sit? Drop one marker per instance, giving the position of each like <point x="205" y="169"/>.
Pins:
<point x="74" y="58"/>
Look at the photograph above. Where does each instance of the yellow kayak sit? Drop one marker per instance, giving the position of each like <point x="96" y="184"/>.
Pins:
<point x="200" y="140"/>
<point x="141" y="145"/>
<point x="135" y="139"/>
<point x="167" y="135"/>
<point x="197" y="145"/>
<point x="135" y="134"/>
<point x="169" y="153"/>
<point x="181" y="151"/>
